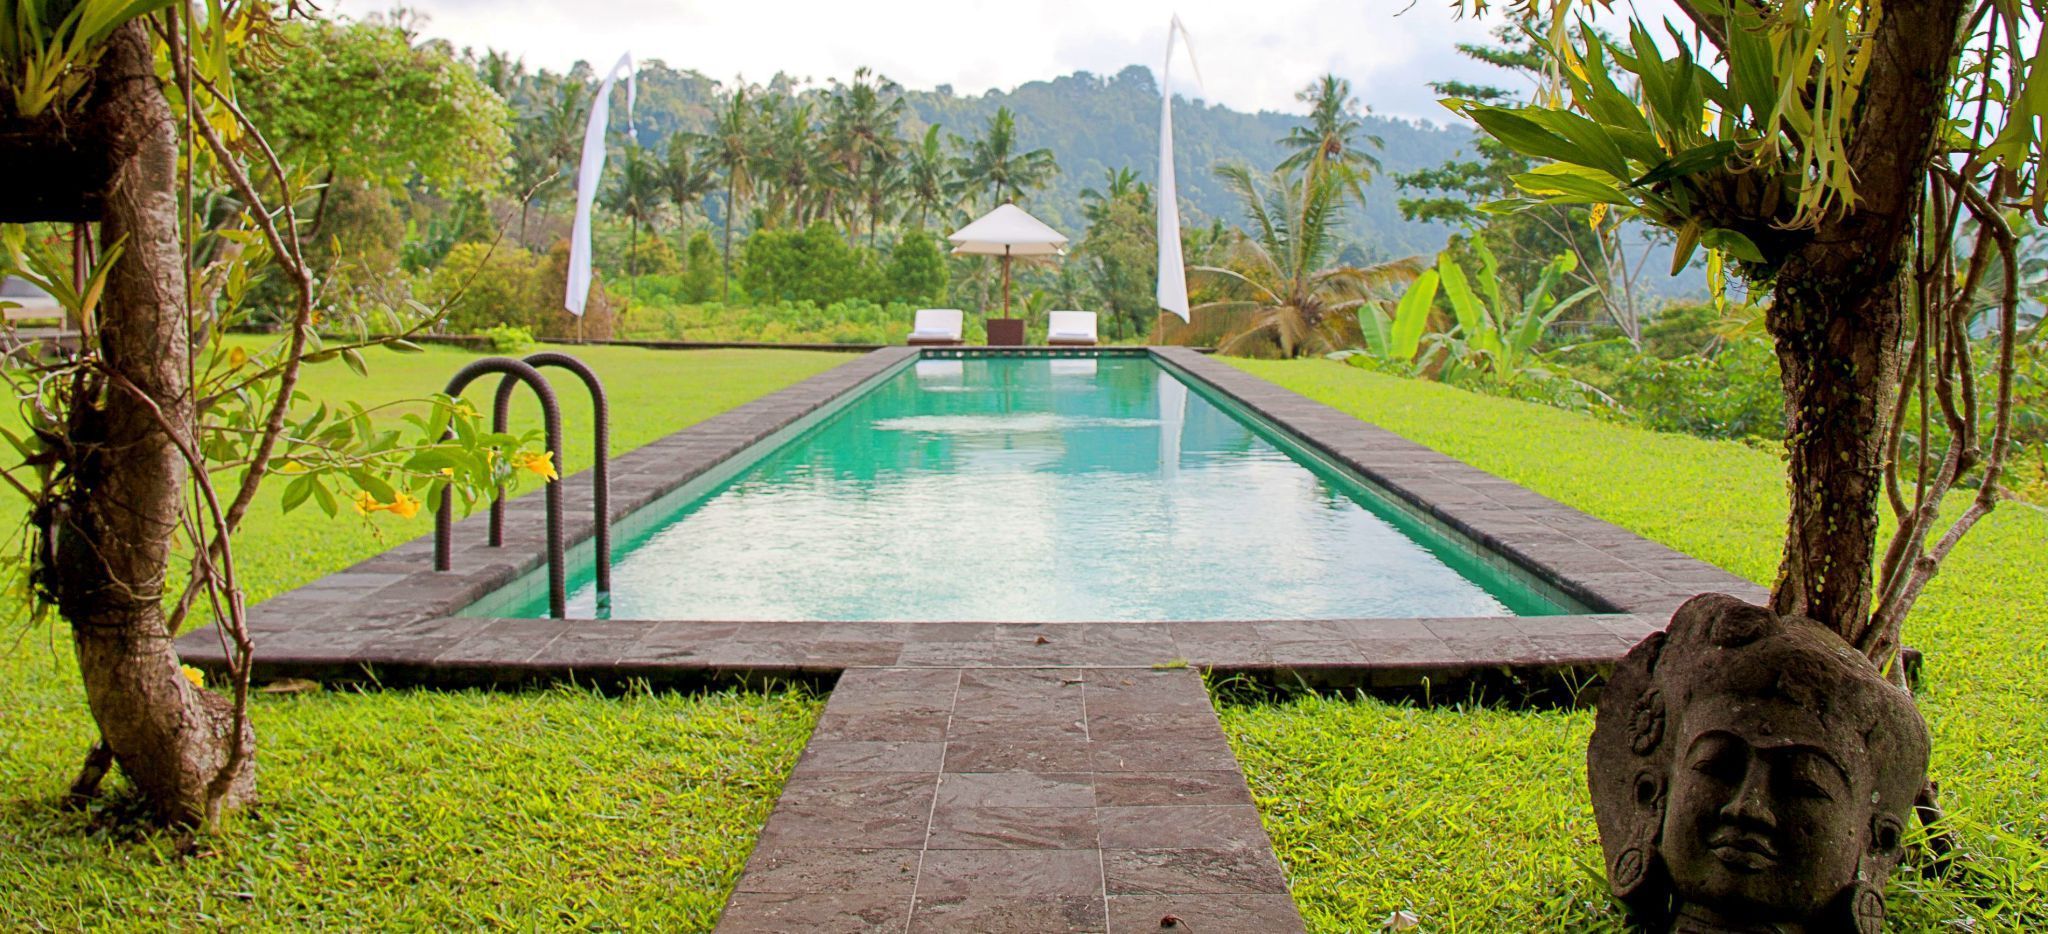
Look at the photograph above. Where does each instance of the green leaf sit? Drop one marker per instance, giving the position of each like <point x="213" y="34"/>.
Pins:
<point x="1569" y="188"/>
<point x="1733" y="244"/>
<point x="297" y="491"/>
<point x="1411" y="316"/>
<point x="325" y="498"/>
<point x="1693" y="161"/>
<point x="1688" y="241"/>
<point x="354" y="359"/>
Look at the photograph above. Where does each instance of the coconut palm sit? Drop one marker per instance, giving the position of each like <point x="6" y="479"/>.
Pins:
<point x="641" y="192"/>
<point x="861" y="121"/>
<point x="1333" y="138"/>
<point x="732" y="148"/>
<point x="1119" y="182"/>
<point x="1282" y="269"/>
<point x="991" y="164"/>
<point x="689" y="179"/>
<point x="793" y="173"/>
<point x="927" y="176"/>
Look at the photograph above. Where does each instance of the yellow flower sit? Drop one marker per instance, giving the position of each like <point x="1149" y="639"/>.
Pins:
<point x="194" y="675"/>
<point x="366" y="504"/>
<point x="540" y="462"/>
<point x="237" y="356"/>
<point x="405" y="506"/>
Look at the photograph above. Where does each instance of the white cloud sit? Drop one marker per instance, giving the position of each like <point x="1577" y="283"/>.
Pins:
<point x="1253" y="55"/>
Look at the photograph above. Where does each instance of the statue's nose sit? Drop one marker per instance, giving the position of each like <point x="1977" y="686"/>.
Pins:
<point x="1751" y="803"/>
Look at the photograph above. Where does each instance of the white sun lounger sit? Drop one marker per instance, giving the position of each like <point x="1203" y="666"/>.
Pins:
<point x="1071" y="329"/>
<point x="937" y="327"/>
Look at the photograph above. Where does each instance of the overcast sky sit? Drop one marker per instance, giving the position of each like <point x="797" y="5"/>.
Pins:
<point x="1253" y="54"/>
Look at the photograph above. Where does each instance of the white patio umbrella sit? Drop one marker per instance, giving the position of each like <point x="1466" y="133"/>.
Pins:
<point x="1006" y="232"/>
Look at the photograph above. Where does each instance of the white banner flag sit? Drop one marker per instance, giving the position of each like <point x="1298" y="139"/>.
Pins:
<point x="1173" y="275"/>
<point x="587" y="176"/>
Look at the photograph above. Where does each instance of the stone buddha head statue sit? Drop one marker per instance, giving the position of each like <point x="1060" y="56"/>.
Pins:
<point x="1752" y="772"/>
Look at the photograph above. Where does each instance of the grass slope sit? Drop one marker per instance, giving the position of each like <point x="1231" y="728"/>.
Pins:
<point x="1476" y="818"/>
<point x="416" y="809"/>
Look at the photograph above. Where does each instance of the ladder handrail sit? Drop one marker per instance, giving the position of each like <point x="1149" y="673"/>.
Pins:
<point x="601" y="480"/>
<point x="551" y="416"/>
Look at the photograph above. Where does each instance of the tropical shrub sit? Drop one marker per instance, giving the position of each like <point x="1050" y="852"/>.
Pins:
<point x="917" y="270"/>
<point x="701" y="269"/>
<point x="1733" y="394"/>
<point x="815" y="264"/>
<point x="484" y="286"/>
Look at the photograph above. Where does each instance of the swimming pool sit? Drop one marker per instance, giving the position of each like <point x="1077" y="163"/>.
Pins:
<point x="1004" y="488"/>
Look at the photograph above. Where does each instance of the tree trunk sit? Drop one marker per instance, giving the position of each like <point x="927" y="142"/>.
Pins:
<point x="1838" y="333"/>
<point x="725" y="290"/>
<point x="117" y="522"/>
<point x="1838" y="317"/>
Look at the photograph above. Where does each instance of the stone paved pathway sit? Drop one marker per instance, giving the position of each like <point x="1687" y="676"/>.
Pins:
<point x="1014" y="799"/>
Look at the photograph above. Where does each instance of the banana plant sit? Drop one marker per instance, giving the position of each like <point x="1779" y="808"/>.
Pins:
<point x="1497" y="335"/>
<point x="1398" y="339"/>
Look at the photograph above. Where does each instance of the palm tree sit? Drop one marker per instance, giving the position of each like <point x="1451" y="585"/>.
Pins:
<point x="992" y="163"/>
<point x="689" y="180"/>
<point x="792" y="170"/>
<point x="861" y="135"/>
<point x="732" y="148"/>
<point x="1118" y="183"/>
<point x="641" y="191"/>
<point x="1277" y="270"/>
<point x="1330" y="140"/>
<point x="927" y="175"/>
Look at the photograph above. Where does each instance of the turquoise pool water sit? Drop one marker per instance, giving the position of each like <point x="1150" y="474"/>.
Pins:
<point x="1007" y="489"/>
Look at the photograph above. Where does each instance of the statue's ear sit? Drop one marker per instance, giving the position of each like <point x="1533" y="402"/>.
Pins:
<point x="1860" y="907"/>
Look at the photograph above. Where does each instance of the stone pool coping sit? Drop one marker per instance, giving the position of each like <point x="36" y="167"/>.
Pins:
<point x="393" y="618"/>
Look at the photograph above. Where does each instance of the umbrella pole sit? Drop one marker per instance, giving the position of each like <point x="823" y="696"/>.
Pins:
<point x="1006" y="282"/>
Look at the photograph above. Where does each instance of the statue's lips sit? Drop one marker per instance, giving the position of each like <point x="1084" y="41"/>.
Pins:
<point x="1743" y="851"/>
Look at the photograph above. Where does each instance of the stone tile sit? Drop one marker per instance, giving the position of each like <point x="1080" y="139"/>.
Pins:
<point x="1147" y="914"/>
<point x="953" y="873"/>
<point x="1192" y="754"/>
<point x="823" y="913"/>
<point x="1209" y="871"/>
<point x="1016" y="790"/>
<point x="808" y="869"/>
<point x="892" y="792"/>
<point x="908" y="723"/>
<point x="1197" y="826"/>
<point x="985" y="914"/>
<point x="864" y="756"/>
<point x="878" y="681"/>
<point x="1037" y="828"/>
<point x="844" y="828"/>
<point x="590" y="644"/>
<point x="1067" y="754"/>
<point x="1153" y="789"/>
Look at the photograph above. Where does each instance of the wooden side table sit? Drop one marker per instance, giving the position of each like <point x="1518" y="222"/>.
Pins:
<point x="1006" y="332"/>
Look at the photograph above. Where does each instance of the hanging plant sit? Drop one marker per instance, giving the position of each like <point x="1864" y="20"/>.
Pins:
<point x="59" y="165"/>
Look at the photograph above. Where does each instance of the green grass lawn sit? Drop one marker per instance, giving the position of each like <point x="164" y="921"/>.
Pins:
<point x="413" y="809"/>
<point x="1476" y="817"/>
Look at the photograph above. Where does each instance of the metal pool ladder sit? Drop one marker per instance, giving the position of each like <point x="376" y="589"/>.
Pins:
<point x="526" y="371"/>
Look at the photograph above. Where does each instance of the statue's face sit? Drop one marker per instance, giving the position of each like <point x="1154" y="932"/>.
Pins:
<point x="1771" y="827"/>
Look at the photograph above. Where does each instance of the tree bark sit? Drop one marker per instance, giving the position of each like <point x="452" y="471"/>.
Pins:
<point x="117" y="522"/>
<point x="1838" y="337"/>
<point x="1838" y="318"/>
